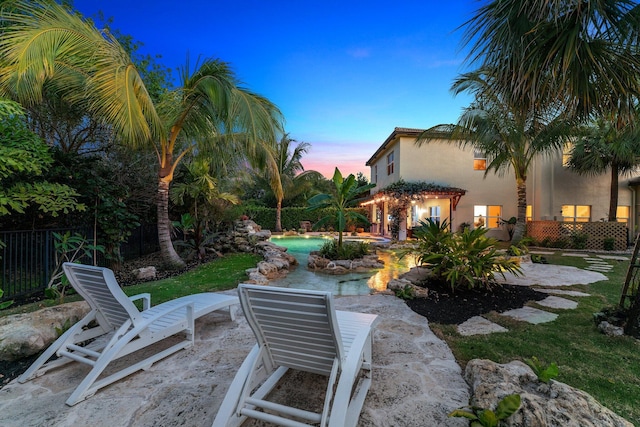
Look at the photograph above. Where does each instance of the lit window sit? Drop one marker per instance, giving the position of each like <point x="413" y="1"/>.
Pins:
<point x="622" y="214"/>
<point x="576" y="213"/>
<point x="434" y="213"/>
<point x="566" y="154"/>
<point x="487" y="216"/>
<point x="529" y="214"/>
<point x="390" y="163"/>
<point x="479" y="160"/>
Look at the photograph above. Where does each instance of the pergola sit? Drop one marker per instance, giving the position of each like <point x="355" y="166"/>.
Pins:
<point x="403" y="193"/>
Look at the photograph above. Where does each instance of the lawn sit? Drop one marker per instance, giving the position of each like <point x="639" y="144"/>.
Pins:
<point x="605" y="367"/>
<point x="221" y="274"/>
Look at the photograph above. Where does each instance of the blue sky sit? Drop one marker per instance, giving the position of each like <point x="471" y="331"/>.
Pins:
<point x="344" y="73"/>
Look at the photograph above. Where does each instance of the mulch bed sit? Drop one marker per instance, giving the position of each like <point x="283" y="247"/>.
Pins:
<point x="445" y="307"/>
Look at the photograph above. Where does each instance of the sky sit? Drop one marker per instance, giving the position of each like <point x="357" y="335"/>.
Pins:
<point x="344" y="73"/>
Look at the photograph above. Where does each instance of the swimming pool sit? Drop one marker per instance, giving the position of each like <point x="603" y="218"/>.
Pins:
<point x="361" y="283"/>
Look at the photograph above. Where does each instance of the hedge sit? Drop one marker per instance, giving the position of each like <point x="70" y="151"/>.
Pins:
<point x="290" y="217"/>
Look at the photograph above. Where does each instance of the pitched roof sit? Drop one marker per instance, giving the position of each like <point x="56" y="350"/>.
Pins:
<point x="399" y="131"/>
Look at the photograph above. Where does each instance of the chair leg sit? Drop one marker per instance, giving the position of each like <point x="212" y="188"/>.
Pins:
<point x="40" y="366"/>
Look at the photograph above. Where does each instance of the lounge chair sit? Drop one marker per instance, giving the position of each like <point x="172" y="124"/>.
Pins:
<point x="115" y="327"/>
<point x="301" y="330"/>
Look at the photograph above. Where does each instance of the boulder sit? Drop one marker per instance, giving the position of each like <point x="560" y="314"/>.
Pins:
<point x="145" y="273"/>
<point x="552" y="404"/>
<point x="24" y="335"/>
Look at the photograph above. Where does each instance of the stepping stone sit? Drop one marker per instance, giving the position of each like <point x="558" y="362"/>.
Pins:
<point x="562" y="292"/>
<point x="557" y="302"/>
<point x="478" y="325"/>
<point x="576" y="255"/>
<point x="614" y="257"/>
<point x="541" y="252"/>
<point x="596" y="261"/>
<point x="599" y="268"/>
<point x="531" y="315"/>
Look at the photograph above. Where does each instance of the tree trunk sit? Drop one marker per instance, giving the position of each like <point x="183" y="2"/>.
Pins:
<point x="613" y="193"/>
<point x="279" y="216"/>
<point x="521" y="220"/>
<point x="169" y="255"/>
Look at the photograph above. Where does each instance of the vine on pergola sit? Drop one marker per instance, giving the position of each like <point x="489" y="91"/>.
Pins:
<point x="400" y="194"/>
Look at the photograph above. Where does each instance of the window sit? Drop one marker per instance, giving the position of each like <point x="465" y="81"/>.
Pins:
<point x="487" y="216"/>
<point x="566" y="154"/>
<point x="576" y="213"/>
<point x="622" y="214"/>
<point x="479" y="160"/>
<point x="390" y="163"/>
<point x="529" y="214"/>
<point x="375" y="174"/>
<point x="434" y="213"/>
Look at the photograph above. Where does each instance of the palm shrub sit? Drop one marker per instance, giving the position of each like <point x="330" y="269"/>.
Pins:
<point x="465" y="259"/>
<point x="349" y="250"/>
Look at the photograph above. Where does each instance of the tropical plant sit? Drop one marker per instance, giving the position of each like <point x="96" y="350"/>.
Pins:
<point x="510" y="137"/>
<point x="289" y="178"/>
<point x="542" y="64"/>
<point x="198" y="192"/>
<point x="606" y="145"/>
<point x="481" y="417"/>
<point x="545" y="373"/>
<point x="4" y="304"/>
<point x="44" y="45"/>
<point x="345" y="195"/>
<point x="580" y="56"/>
<point x="464" y="259"/>
<point x="349" y="250"/>
<point x="433" y="236"/>
<point x="68" y="248"/>
<point x="24" y="158"/>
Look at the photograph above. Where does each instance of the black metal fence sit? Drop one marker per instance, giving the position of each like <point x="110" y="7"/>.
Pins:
<point x="28" y="257"/>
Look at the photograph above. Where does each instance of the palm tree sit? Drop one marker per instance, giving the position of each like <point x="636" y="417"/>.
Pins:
<point x="580" y="54"/>
<point x="606" y="147"/>
<point x="346" y="193"/>
<point x="510" y="137"/>
<point x="46" y="47"/>
<point x="290" y="172"/>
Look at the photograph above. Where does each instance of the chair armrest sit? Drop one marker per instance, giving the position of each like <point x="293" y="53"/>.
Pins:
<point x="146" y="297"/>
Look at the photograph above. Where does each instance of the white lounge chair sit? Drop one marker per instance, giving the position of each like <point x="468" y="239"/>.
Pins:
<point x="300" y="329"/>
<point x="115" y="327"/>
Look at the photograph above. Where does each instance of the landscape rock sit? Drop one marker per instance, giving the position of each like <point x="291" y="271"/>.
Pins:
<point x="342" y="266"/>
<point x="24" y="335"/>
<point x="609" y="329"/>
<point x="145" y="273"/>
<point x="543" y="405"/>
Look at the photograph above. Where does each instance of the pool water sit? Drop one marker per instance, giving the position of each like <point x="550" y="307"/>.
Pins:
<point x="361" y="283"/>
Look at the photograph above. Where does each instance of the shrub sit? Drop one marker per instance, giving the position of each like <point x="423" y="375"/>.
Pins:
<point x="609" y="243"/>
<point x="466" y="259"/>
<point x="579" y="240"/>
<point x="349" y="250"/>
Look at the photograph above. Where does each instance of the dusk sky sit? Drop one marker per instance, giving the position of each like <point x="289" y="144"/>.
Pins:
<point x="344" y="73"/>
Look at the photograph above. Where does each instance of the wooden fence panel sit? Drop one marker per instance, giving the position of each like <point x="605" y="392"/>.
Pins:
<point x="596" y="232"/>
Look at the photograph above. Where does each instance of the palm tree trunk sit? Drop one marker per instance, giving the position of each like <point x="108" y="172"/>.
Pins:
<point x="279" y="216"/>
<point x="521" y="220"/>
<point x="613" y="192"/>
<point x="169" y="255"/>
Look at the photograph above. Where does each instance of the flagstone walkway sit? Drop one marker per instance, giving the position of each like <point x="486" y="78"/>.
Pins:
<point x="546" y="278"/>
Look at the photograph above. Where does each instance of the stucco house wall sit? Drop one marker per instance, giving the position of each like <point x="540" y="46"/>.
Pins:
<point x="550" y="185"/>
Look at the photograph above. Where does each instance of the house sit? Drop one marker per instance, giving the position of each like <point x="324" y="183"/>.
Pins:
<point x="454" y="187"/>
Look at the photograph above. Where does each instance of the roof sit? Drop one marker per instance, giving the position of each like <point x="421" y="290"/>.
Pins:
<point x="438" y="130"/>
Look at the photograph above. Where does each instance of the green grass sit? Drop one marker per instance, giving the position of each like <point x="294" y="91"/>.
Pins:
<point x="605" y="367"/>
<point x="221" y="274"/>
